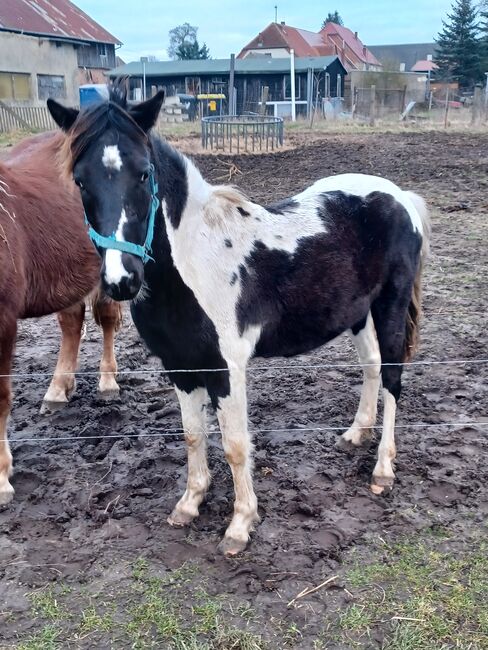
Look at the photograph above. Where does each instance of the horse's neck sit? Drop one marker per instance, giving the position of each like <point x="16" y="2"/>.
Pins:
<point x="183" y="190"/>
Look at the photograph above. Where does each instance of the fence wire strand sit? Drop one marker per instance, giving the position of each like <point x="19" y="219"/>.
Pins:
<point x="179" y="432"/>
<point x="291" y="367"/>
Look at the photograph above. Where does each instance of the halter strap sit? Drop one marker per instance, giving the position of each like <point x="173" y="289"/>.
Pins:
<point x="139" y="250"/>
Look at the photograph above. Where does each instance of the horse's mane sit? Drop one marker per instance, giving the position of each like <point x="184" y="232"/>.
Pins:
<point x="95" y="119"/>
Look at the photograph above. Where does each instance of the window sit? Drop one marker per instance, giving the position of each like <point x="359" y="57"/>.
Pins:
<point x="287" y="86"/>
<point x="50" y="86"/>
<point x="102" y="49"/>
<point x="15" y="85"/>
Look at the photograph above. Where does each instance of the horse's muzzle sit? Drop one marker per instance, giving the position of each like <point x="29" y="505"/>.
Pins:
<point x="128" y="284"/>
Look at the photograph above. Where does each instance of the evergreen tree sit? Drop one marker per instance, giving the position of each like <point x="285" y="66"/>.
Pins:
<point x="459" y="49"/>
<point x="192" y="51"/>
<point x="333" y="17"/>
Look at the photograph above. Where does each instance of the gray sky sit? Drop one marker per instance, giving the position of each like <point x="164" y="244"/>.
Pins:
<point x="226" y="26"/>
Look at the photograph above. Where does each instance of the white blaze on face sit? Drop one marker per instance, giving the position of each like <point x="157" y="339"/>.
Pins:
<point x="114" y="269"/>
<point x="111" y="158"/>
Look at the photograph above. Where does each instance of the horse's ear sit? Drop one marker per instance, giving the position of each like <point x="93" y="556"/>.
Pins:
<point x="62" y="115"/>
<point x="146" y="113"/>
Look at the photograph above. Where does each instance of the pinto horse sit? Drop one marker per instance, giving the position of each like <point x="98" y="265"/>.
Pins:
<point x="47" y="265"/>
<point x="225" y="279"/>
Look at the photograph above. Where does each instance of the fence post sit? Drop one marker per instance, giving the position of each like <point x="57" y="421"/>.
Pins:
<point x="446" y="113"/>
<point x="264" y="100"/>
<point x="404" y="97"/>
<point x="476" y="108"/>
<point x="372" y="106"/>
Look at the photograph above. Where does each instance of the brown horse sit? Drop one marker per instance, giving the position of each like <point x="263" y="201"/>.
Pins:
<point x="47" y="265"/>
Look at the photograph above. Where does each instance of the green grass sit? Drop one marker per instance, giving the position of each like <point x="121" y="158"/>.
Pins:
<point x="421" y="597"/>
<point x="154" y="611"/>
<point x="424" y="593"/>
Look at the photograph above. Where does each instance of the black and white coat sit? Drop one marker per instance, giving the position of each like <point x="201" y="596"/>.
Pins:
<point x="232" y="280"/>
<point x="249" y="280"/>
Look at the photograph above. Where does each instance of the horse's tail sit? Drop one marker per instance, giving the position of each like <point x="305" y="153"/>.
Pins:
<point x="415" y="307"/>
<point x="100" y="302"/>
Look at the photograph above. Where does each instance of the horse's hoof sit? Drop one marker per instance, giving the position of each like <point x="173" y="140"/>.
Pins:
<point x="48" y="407"/>
<point x="6" y="494"/>
<point x="178" y="519"/>
<point x="381" y="484"/>
<point x="345" y="445"/>
<point x="109" y="394"/>
<point x="230" y="546"/>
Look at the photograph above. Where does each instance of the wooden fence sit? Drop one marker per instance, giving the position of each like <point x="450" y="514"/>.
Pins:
<point x="13" y="118"/>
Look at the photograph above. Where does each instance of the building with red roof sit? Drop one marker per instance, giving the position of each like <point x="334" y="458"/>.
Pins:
<point x="277" y="39"/>
<point x="48" y="48"/>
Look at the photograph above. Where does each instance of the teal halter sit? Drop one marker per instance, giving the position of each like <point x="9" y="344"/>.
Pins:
<point x="127" y="246"/>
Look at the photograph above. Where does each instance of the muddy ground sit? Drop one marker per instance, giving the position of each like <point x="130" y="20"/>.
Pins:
<point x="87" y="507"/>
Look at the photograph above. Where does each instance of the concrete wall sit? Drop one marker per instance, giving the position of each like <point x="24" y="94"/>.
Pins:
<point x="29" y="54"/>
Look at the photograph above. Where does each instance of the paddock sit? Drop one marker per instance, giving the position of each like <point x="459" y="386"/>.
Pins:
<point x="96" y="481"/>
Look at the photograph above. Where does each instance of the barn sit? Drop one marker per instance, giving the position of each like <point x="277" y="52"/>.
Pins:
<point x="323" y="76"/>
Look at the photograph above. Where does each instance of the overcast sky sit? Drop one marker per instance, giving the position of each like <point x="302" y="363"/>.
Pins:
<point x="226" y="26"/>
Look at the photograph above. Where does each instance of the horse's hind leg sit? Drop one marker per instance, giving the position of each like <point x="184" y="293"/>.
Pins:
<point x="7" y="342"/>
<point x="390" y="314"/>
<point x="366" y="342"/>
<point x="108" y="314"/>
<point x="193" y="415"/>
<point x="63" y="382"/>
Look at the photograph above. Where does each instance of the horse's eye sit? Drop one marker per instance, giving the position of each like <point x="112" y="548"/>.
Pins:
<point x="79" y="183"/>
<point x="144" y="177"/>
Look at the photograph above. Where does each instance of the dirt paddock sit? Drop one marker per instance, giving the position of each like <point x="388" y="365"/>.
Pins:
<point x="86" y="557"/>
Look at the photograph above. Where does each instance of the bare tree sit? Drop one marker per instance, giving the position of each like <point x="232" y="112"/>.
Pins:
<point x="181" y="35"/>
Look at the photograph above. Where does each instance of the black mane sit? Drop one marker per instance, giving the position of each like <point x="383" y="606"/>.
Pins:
<point x="95" y="119"/>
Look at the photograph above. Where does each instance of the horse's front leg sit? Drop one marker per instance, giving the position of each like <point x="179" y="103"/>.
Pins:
<point x="63" y="382"/>
<point x="232" y="415"/>
<point x="108" y="314"/>
<point x="7" y="342"/>
<point x="193" y="415"/>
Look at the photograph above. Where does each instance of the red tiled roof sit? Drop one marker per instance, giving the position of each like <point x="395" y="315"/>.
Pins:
<point x="352" y="41"/>
<point x="332" y="39"/>
<point x="425" y="66"/>
<point x="59" y="18"/>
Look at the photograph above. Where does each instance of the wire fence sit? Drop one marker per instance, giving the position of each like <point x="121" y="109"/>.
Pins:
<point x="179" y="432"/>
<point x="288" y="367"/>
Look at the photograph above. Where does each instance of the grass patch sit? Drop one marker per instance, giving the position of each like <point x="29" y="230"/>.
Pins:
<point x="167" y="615"/>
<point x="45" y="639"/>
<point x="154" y="611"/>
<point x="421" y="597"/>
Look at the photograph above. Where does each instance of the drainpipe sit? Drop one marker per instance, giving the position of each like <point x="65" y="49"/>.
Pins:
<point x="292" y="83"/>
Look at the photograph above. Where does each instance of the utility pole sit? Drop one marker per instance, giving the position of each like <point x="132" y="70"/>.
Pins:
<point x="292" y="84"/>
<point x="231" y="84"/>
<point x="144" y="60"/>
<point x="276" y="13"/>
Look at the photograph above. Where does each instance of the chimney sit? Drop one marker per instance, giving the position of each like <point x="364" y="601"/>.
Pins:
<point x="429" y="57"/>
<point x="283" y="22"/>
<point x="402" y="67"/>
<point x="364" y="50"/>
<point x="356" y="35"/>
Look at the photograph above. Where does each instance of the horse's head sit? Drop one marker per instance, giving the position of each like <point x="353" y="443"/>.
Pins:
<point x="109" y="156"/>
